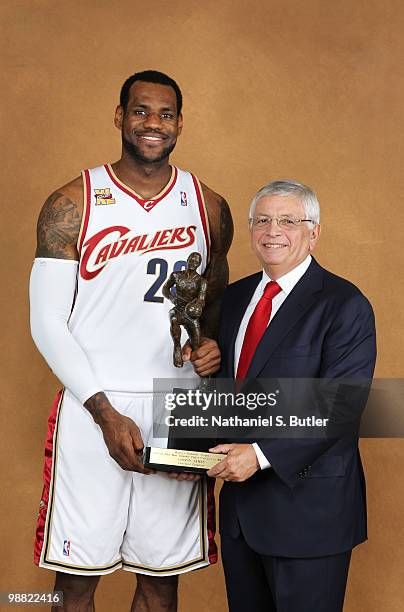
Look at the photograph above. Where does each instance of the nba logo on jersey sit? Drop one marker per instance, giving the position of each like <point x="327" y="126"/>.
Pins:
<point x="66" y="548"/>
<point x="184" y="201"/>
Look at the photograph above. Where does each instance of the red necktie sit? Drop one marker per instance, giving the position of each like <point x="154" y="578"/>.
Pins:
<point x="256" y="327"/>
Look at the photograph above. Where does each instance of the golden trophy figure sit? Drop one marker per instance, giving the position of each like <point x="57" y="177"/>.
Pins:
<point x="188" y="300"/>
<point x="188" y="297"/>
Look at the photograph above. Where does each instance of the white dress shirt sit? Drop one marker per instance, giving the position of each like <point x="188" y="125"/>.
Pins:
<point x="286" y="283"/>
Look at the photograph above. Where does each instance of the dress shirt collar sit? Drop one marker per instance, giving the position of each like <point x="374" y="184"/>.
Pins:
<point x="289" y="280"/>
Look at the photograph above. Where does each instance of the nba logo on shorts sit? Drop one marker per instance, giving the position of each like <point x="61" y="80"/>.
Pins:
<point x="66" y="548"/>
<point x="184" y="201"/>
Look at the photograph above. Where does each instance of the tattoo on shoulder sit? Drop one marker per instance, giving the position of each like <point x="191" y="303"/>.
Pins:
<point x="58" y="227"/>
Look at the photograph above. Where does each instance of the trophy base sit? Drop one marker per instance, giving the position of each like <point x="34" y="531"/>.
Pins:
<point x="178" y="460"/>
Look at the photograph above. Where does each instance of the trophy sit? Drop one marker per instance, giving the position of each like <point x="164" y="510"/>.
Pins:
<point x="188" y="298"/>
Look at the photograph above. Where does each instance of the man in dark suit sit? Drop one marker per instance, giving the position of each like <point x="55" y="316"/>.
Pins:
<point x="291" y="510"/>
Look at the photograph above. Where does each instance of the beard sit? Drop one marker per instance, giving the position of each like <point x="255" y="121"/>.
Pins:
<point x="137" y="155"/>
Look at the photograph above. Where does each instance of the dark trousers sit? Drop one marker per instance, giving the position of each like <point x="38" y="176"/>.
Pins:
<point x="261" y="583"/>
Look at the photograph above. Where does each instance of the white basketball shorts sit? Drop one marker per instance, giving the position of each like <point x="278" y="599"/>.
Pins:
<point x="95" y="517"/>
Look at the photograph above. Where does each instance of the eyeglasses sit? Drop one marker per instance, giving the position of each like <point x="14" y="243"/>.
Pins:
<point x="284" y="221"/>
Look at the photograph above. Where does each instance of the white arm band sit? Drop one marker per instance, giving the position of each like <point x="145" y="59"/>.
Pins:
<point x="52" y="289"/>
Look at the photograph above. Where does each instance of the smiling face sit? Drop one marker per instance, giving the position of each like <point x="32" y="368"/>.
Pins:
<point x="150" y="124"/>
<point x="282" y="249"/>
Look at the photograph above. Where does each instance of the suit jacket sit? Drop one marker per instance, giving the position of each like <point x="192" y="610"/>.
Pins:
<point x="312" y="502"/>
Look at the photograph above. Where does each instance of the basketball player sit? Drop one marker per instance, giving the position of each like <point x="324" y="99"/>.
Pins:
<point x="107" y="242"/>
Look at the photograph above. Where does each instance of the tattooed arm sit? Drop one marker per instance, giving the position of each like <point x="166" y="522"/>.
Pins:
<point x="59" y="222"/>
<point x="206" y="359"/>
<point x="217" y="271"/>
<point x="52" y="289"/>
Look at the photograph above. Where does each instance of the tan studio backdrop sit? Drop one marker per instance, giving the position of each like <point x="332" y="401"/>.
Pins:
<point x="311" y="90"/>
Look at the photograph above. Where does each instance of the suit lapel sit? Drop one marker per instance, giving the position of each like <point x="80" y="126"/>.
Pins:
<point x="238" y="309"/>
<point x="300" y="299"/>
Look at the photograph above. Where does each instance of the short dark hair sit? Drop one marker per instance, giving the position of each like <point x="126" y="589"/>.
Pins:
<point x="149" y="76"/>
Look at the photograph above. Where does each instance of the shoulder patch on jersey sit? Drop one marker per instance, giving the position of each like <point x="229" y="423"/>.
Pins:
<point x="103" y="197"/>
<point x="184" y="199"/>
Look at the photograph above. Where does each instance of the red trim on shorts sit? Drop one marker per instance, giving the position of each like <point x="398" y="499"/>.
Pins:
<point x="202" y="213"/>
<point x="211" y="520"/>
<point x="146" y="204"/>
<point x="87" y="211"/>
<point x="47" y="474"/>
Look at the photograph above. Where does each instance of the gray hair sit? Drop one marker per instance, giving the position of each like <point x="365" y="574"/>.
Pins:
<point x="290" y="188"/>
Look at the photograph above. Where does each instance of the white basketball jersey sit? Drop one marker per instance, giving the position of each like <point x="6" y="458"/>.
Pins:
<point x="128" y="247"/>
